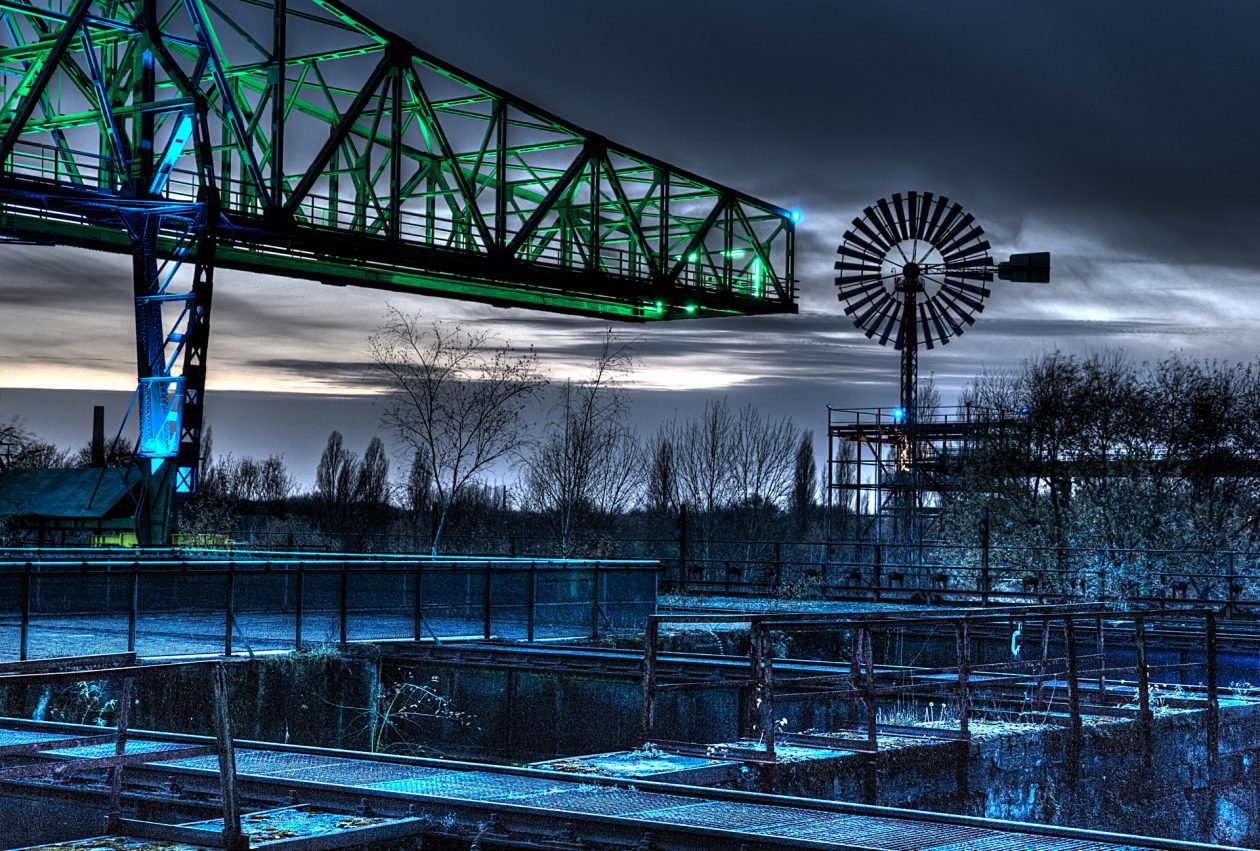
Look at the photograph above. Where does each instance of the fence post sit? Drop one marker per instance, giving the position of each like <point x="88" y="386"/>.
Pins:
<point x="344" y="594"/>
<point x="417" y="603"/>
<point x="1229" y="586"/>
<point x="595" y="601"/>
<point x="531" y="601"/>
<point x="1213" y="698"/>
<point x="963" y="637"/>
<point x="485" y="601"/>
<point x="985" y="585"/>
<point x="647" y="713"/>
<point x="229" y="604"/>
<point x="778" y="564"/>
<point x="133" y="607"/>
<point x="1074" y="699"/>
<point x="682" y="546"/>
<point x="879" y="570"/>
<point x="25" y="628"/>
<point x="1145" y="717"/>
<point x="298" y="605"/>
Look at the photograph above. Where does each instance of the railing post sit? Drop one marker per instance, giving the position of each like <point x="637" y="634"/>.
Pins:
<point x="531" y="601"/>
<point x="595" y="601"/>
<point x="485" y="601"/>
<point x="25" y="627"/>
<point x="778" y="564"/>
<point x="417" y="603"/>
<point x="298" y="604"/>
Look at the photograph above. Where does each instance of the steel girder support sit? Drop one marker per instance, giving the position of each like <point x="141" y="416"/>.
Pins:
<point x="172" y="337"/>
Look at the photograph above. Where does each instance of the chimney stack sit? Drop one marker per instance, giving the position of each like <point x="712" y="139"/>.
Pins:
<point x="98" y="436"/>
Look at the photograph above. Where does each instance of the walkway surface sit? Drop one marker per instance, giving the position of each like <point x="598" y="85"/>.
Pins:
<point x="733" y="816"/>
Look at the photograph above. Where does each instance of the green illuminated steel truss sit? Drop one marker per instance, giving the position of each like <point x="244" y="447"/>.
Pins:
<point x="296" y="138"/>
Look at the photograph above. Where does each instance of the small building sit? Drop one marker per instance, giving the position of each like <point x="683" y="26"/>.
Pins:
<point x="58" y="506"/>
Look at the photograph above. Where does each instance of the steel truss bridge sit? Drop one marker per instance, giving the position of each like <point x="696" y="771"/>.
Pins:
<point x="297" y="138"/>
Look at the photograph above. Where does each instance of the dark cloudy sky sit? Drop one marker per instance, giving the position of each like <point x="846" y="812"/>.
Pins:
<point x="1122" y="136"/>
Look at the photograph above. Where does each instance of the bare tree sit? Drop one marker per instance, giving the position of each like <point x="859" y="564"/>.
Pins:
<point x="662" y="483"/>
<point x="456" y="403"/>
<point x="589" y="466"/>
<point x="804" y="479"/>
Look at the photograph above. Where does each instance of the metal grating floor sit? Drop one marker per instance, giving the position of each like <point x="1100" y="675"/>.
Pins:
<point x="756" y="820"/>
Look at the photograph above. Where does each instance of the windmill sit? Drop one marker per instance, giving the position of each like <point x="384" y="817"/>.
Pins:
<point x="913" y="272"/>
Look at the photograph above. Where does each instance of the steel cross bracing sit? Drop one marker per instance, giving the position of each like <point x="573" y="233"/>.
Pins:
<point x="296" y="138"/>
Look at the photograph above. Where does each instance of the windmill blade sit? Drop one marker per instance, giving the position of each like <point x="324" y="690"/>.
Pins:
<point x="972" y="235"/>
<point x="914" y="210"/>
<point x="903" y="219"/>
<point x="951" y="215"/>
<point x="969" y="274"/>
<point x="887" y="222"/>
<point x="959" y="295"/>
<point x="926" y="333"/>
<point x="890" y="321"/>
<point x="876" y="303"/>
<point x="947" y="237"/>
<point x="871" y="318"/>
<point x="969" y="251"/>
<point x="859" y="298"/>
<point x="962" y="286"/>
<point x="942" y="204"/>
<point x="850" y="238"/>
<point x="845" y="266"/>
<point x="952" y="310"/>
<point x="941" y="330"/>
<point x="877" y="239"/>
<point x="859" y="254"/>
<point x="845" y="280"/>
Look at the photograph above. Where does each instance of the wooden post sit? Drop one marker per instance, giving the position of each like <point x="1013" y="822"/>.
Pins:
<point x="1044" y="661"/>
<point x="648" y="711"/>
<point x="963" y="637"/>
<point x="855" y="674"/>
<point x="767" y="693"/>
<point x="120" y="748"/>
<point x="1074" y="698"/>
<point x="227" y="761"/>
<point x="750" y="717"/>
<point x="1145" y="717"/>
